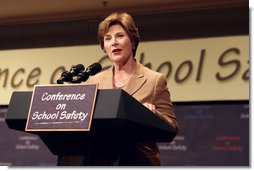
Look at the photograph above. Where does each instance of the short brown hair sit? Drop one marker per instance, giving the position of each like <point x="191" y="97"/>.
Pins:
<point x="126" y="21"/>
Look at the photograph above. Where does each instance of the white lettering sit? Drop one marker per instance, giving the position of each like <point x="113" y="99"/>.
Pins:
<point x="60" y="96"/>
<point x="74" y="115"/>
<point x="44" y="115"/>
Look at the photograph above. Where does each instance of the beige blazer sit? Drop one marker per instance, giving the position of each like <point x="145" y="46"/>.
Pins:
<point x="146" y="86"/>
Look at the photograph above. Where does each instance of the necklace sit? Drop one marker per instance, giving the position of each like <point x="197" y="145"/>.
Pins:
<point x="122" y="85"/>
<point x="119" y="87"/>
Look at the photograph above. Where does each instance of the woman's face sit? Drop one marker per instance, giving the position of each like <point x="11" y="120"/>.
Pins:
<point x="117" y="44"/>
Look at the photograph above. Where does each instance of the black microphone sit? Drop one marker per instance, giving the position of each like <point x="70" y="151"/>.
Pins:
<point x="90" y="71"/>
<point x="93" y="69"/>
<point x="76" y="69"/>
<point x="65" y="76"/>
<point x="68" y="76"/>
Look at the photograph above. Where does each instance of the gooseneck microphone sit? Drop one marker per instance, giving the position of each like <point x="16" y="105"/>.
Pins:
<point x="68" y="76"/>
<point x="90" y="71"/>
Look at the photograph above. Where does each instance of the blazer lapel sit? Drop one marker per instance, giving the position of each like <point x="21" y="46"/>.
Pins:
<point x="136" y="81"/>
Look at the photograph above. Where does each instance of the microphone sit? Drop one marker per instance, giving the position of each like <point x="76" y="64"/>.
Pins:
<point x="90" y="71"/>
<point x="93" y="69"/>
<point x="76" y="69"/>
<point x="67" y="76"/>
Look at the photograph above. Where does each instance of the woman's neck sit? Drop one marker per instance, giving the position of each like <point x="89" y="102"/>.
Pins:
<point x="125" y="68"/>
<point x="122" y="73"/>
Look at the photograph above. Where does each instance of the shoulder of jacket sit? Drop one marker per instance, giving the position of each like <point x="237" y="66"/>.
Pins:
<point x="101" y="74"/>
<point x="148" y="71"/>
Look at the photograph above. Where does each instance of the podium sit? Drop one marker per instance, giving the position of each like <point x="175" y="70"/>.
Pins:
<point x="118" y="120"/>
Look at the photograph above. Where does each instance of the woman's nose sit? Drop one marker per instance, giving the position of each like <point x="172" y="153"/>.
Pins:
<point x="114" y="42"/>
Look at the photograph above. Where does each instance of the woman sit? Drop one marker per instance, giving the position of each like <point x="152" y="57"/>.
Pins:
<point x="119" y="38"/>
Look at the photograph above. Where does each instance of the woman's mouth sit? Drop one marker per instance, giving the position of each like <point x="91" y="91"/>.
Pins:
<point x="116" y="51"/>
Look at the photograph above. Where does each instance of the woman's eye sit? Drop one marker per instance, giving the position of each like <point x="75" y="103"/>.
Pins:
<point x="120" y="35"/>
<point x="107" y="39"/>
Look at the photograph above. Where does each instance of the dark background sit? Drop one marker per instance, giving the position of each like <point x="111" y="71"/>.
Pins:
<point x="214" y="22"/>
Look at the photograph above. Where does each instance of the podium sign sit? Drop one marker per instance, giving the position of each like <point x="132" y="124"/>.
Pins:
<point x="66" y="107"/>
